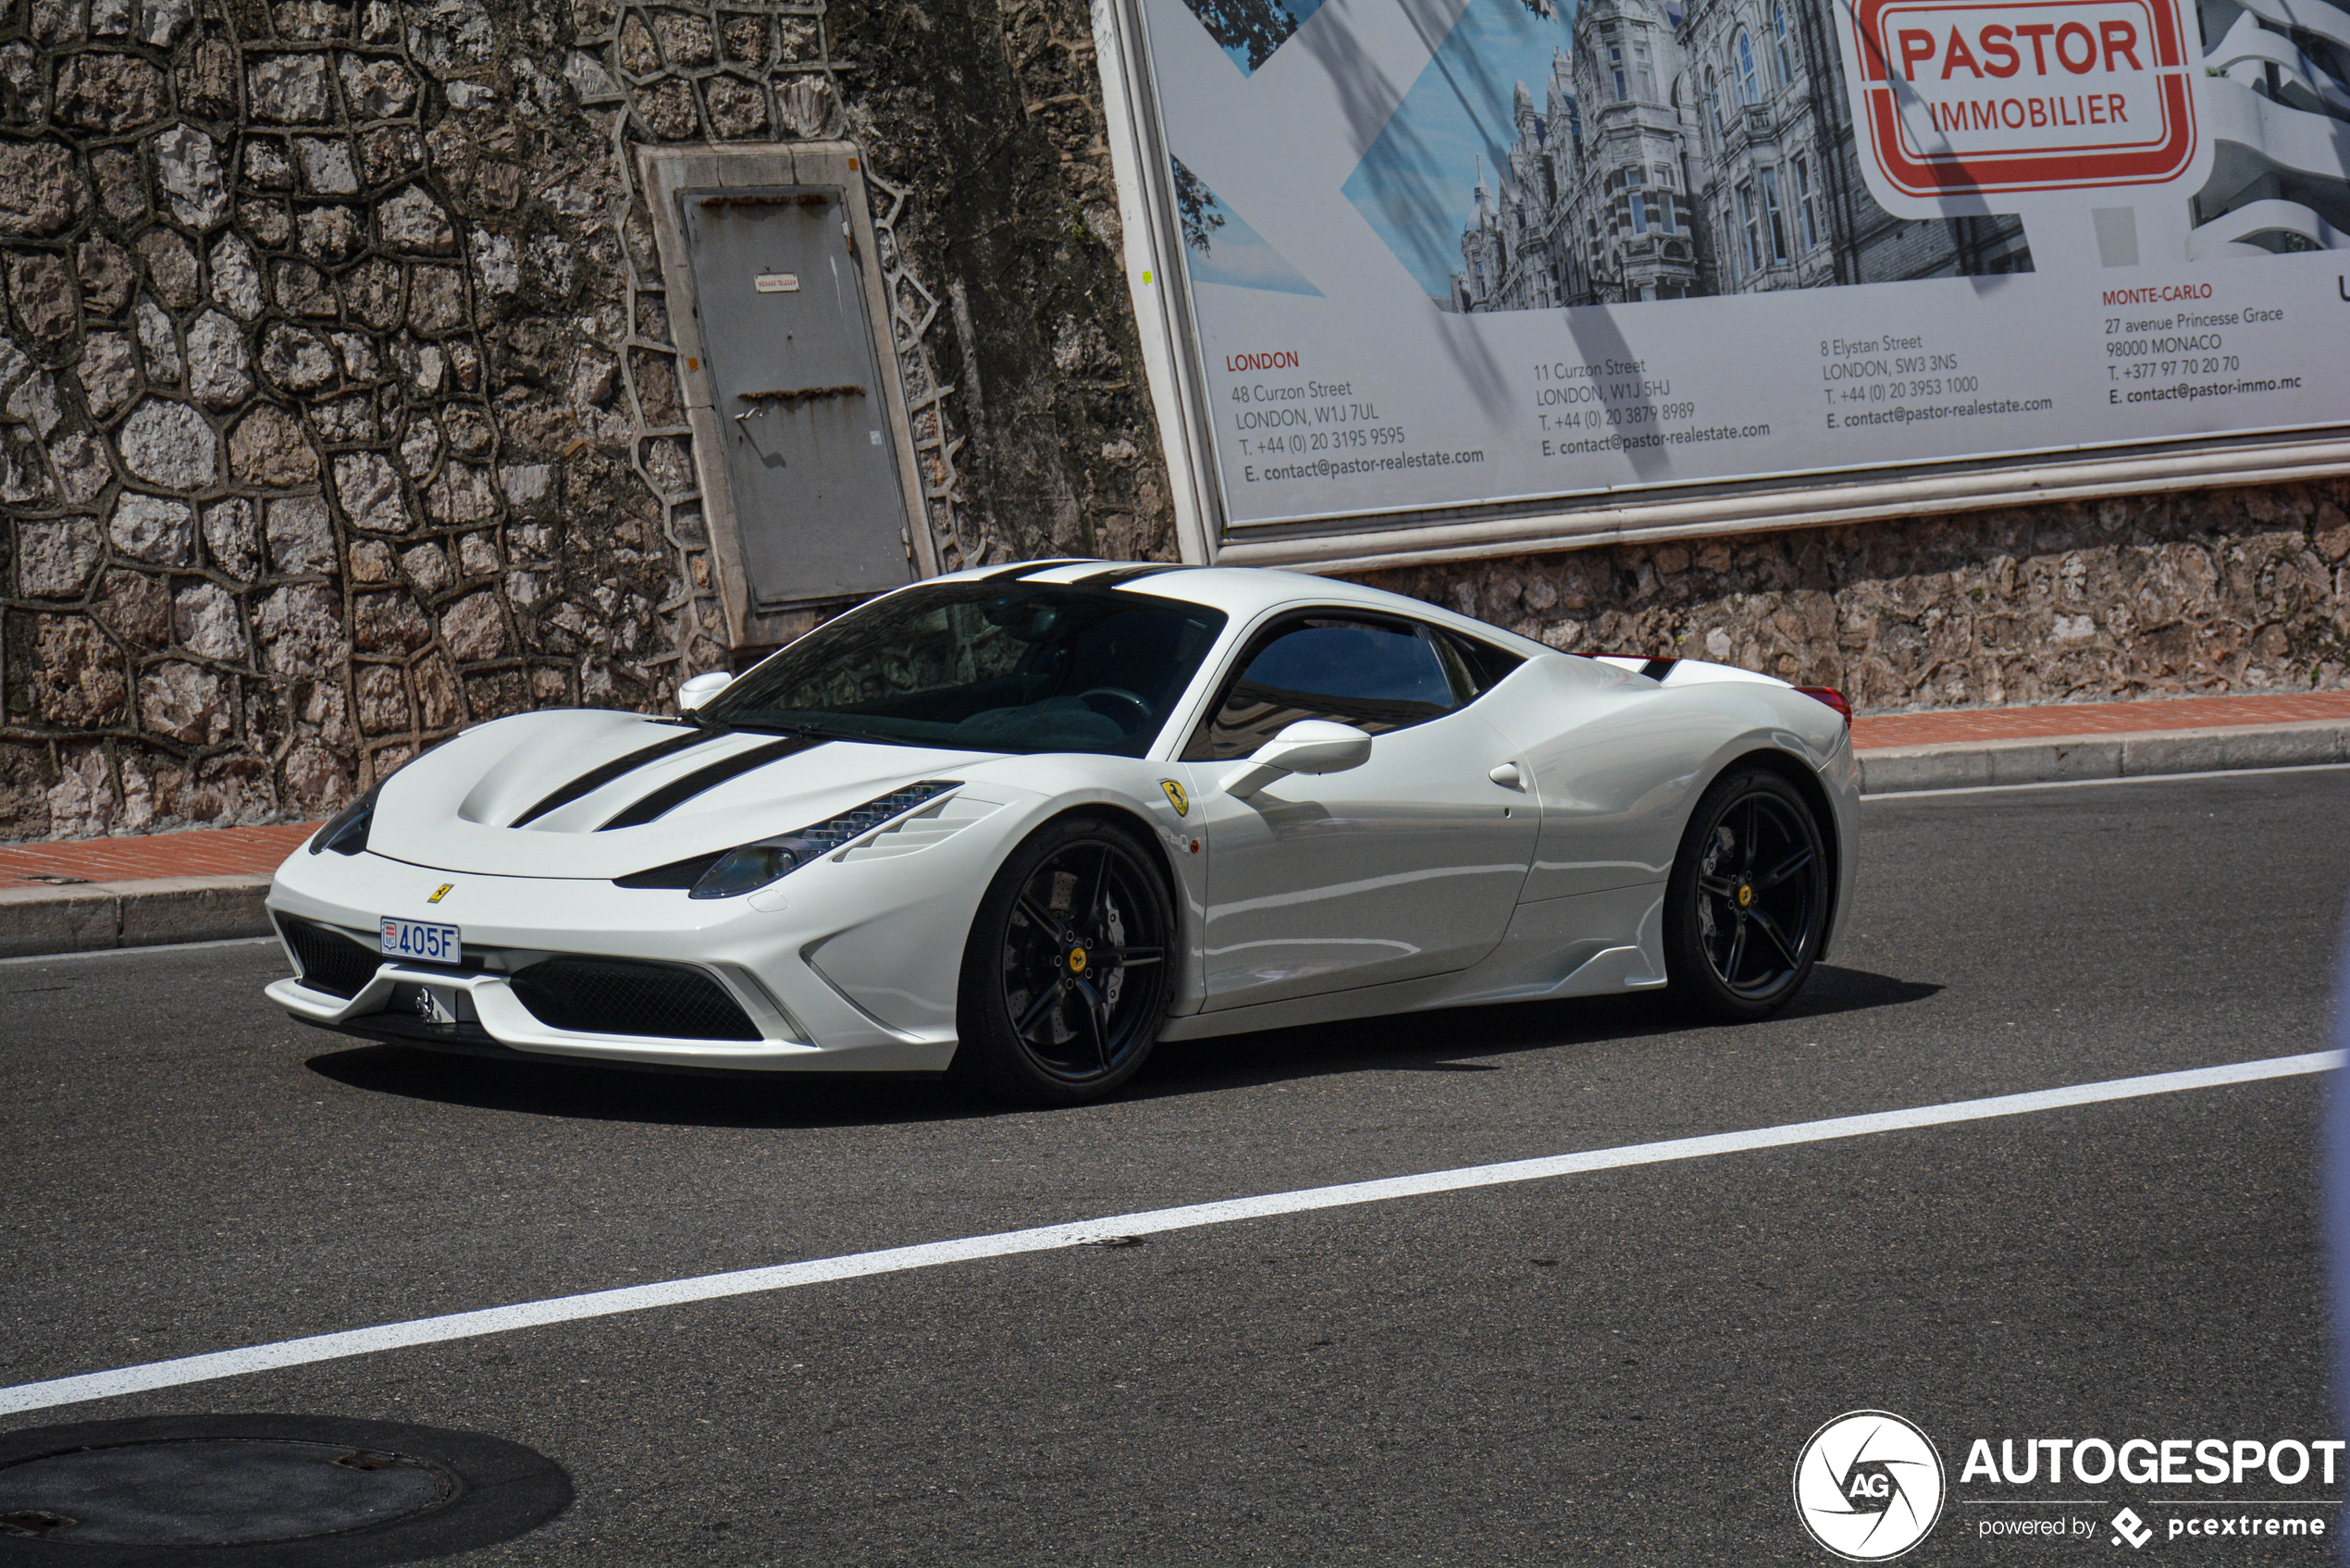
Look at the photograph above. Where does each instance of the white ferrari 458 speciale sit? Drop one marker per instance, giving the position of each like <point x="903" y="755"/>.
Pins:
<point x="1019" y="824"/>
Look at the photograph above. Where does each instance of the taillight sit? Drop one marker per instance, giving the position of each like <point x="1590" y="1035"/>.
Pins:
<point x="1833" y="697"/>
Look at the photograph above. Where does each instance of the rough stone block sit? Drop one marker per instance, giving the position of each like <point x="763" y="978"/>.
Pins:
<point x="301" y="538"/>
<point x="188" y="161"/>
<point x="269" y="448"/>
<point x="228" y="537"/>
<point x="109" y="92"/>
<point x="184" y="701"/>
<point x="154" y="528"/>
<point x="41" y="287"/>
<point x="205" y="621"/>
<point x="108" y="372"/>
<point x="289" y="89"/>
<point x="370" y="493"/>
<point x="236" y="279"/>
<point x="169" y="444"/>
<point x="54" y="558"/>
<point x="41" y="190"/>
<point x="220" y="367"/>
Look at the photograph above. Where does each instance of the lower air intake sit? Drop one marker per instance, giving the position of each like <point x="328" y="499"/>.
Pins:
<point x="630" y="997"/>
<point x="330" y="960"/>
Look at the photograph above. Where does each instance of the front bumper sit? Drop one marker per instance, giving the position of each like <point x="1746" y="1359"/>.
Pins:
<point x="842" y="967"/>
<point x="490" y="1015"/>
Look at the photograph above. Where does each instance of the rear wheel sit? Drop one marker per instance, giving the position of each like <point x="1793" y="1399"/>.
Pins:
<point x="1065" y="976"/>
<point x="1746" y="908"/>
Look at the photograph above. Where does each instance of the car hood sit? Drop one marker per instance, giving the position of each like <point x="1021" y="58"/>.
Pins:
<point x="597" y="794"/>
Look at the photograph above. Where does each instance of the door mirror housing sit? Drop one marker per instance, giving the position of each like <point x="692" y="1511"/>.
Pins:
<point x="701" y="688"/>
<point x="1310" y="746"/>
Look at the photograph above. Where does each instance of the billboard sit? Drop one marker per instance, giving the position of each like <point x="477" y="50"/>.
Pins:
<point x="1511" y="265"/>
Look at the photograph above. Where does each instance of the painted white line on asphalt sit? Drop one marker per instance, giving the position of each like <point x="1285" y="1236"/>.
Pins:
<point x="2133" y="778"/>
<point x="151" y="947"/>
<point x="894" y="1259"/>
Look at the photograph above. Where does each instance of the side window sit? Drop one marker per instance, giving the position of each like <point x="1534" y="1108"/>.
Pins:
<point x="1376" y="674"/>
<point x="1477" y="666"/>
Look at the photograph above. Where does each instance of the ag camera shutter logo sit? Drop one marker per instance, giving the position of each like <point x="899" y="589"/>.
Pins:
<point x="1869" y="1486"/>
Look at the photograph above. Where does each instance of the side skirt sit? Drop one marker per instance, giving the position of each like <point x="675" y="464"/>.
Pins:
<point x="1588" y="944"/>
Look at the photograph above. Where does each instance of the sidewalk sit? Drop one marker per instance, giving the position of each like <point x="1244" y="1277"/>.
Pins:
<point x="198" y="886"/>
<point x="1968" y="746"/>
<point x="208" y="885"/>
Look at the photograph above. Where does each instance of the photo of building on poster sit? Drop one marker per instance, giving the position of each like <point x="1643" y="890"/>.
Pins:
<point x="1621" y="151"/>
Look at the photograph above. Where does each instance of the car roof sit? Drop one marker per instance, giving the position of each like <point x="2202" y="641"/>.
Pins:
<point x="1241" y="592"/>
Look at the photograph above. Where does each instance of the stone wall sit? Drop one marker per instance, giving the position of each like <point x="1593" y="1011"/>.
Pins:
<point x="2230" y="590"/>
<point x="337" y="405"/>
<point x="338" y="410"/>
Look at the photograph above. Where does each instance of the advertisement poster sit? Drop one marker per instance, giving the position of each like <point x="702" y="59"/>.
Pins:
<point x="1445" y="255"/>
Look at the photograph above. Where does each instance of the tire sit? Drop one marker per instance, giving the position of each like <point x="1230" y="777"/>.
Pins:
<point x="1065" y="980"/>
<point x="1746" y="908"/>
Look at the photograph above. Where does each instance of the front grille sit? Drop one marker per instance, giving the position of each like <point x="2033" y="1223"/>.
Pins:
<point x="630" y="997"/>
<point x="330" y="960"/>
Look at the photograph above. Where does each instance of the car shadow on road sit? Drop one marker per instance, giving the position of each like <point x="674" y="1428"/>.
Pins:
<point x="1458" y="1040"/>
<point x="1470" y="1039"/>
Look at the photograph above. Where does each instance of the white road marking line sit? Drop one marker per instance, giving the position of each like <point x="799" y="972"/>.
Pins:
<point x="150" y="948"/>
<point x="2132" y="778"/>
<point x="894" y="1259"/>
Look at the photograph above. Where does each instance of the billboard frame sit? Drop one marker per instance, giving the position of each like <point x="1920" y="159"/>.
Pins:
<point x="1337" y="542"/>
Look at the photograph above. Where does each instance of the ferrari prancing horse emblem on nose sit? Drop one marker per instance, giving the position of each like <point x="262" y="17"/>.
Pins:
<point x="440" y="893"/>
<point x="1176" y="798"/>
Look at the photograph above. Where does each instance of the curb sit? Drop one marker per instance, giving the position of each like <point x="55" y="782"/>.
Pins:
<point x="2067" y="759"/>
<point x="88" y="916"/>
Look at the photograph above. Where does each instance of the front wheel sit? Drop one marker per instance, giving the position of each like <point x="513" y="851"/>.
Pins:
<point x="1747" y="906"/>
<point x="1065" y="981"/>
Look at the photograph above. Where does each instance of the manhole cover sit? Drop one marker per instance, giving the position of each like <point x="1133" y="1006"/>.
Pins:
<point x="254" y="1491"/>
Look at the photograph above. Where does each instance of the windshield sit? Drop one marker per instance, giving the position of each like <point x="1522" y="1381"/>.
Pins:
<point x="983" y="666"/>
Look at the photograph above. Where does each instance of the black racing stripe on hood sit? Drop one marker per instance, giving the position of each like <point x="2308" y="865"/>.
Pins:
<point x="669" y="796"/>
<point x="596" y="778"/>
<point x="1657" y="668"/>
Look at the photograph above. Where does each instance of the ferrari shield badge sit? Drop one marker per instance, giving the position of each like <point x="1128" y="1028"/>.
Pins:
<point x="440" y="893"/>
<point x="1176" y="798"/>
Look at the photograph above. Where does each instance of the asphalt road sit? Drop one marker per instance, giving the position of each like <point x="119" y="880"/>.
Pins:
<point x="1618" y="1367"/>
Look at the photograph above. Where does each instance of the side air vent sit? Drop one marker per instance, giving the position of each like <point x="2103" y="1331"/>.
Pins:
<point x="922" y="828"/>
<point x="631" y="996"/>
<point x="330" y="960"/>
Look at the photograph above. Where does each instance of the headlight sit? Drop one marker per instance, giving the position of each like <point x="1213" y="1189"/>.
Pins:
<point x="753" y="866"/>
<point x="346" y="830"/>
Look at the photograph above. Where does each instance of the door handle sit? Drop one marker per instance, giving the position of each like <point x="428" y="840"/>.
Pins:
<point x="1507" y="776"/>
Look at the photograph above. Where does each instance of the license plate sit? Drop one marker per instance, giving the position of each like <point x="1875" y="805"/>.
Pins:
<point x="422" y="941"/>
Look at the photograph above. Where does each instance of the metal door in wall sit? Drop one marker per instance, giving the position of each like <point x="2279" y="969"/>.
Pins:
<point x="797" y="381"/>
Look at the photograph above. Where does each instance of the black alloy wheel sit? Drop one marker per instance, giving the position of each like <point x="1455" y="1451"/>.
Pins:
<point x="1065" y="981"/>
<point x="1747" y="906"/>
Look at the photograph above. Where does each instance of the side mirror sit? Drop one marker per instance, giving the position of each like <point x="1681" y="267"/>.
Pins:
<point x="701" y="688"/>
<point x="1310" y="746"/>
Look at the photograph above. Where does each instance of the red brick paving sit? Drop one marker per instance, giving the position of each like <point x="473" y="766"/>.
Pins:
<point x="2098" y="718"/>
<point x="205" y="853"/>
<point x="256" y="851"/>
